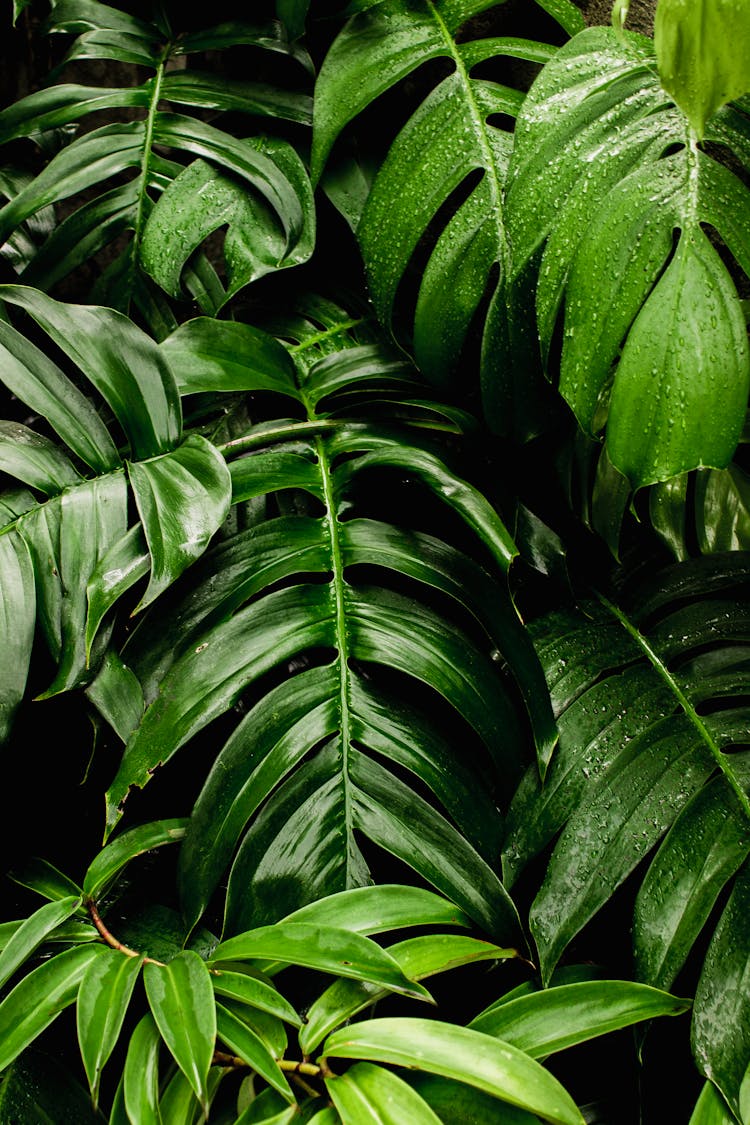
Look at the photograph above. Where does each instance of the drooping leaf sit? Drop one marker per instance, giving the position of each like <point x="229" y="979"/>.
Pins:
<point x="326" y="948"/>
<point x="703" y="51"/>
<point x="32" y="932"/>
<point x="369" y="1093"/>
<point x="457" y="1052"/>
<point x="141" y="1074"/>
<point x="245" y="1043"/>
<point x="183" y="498"/>
<point x="419" y="957"/>
<point x="103" y="999"/>
<point x="544" y="1022"/>
<point x="112" y="859"/>
<point x="182" y="1003"/>
<point x="614" y="231"/>
<point x="40" y="997"/>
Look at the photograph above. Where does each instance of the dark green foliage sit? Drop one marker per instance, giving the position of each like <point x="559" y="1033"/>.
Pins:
<point x="426" y="750"/>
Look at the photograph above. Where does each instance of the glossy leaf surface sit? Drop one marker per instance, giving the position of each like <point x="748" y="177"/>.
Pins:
<point x="605" y="219"/>
<point x="456" y="1052"/>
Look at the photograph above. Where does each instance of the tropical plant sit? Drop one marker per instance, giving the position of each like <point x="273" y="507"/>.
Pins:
<point x="375" y="487"/>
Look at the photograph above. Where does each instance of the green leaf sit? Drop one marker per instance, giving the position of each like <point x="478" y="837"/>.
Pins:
<point x="113" y="858"/>
<point x="721" y="1017"/>
<point x="710" y="1109"/>
<point x="245" y="1043"/>
<point x="183" y="498"/>
<point x="325" y="948"/>
<point x="34" y="459"/>
<point x="419" y="957"/>
<point x="141" y="1074"/>
<point x="117" y="696"/>
<point x="371" y="910"/>
<point x="457" y="1104"/>
<point x="32" y="932"/>
<point x="40" y="997"/>
<point x="182" y="1002"/>
<point x="692" y="314"/>
<point x="211" y="355"/>
<point x="644" y="728"/>
<point x="614" y="233"/>
<point x="121" y="361"/>
<point x="457" y="1052"/>
<point x="66" y="539"/>
<point x="256" y="993"/>
<point x="202" y="199"/>
<point x="40" y="876"/>
<point x="17" y="620"/>
<point x="703" y="50"/>
<point x="37" y="381"/>
<point x="680" y="888"/>
<point x="556" y="1018"/>
<point x="103" y="999"/>
<point x="368" y="1093"/>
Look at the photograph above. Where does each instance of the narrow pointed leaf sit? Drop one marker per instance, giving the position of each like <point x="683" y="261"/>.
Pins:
<point x="182" y="1002"/>
<point x="40" y="997"/>
<point x="457" y="1052"/>
<point x="17" y="620"/>
<point x="256" y="993"/>
<point x="556" y="1018"/>
<point x="32" y="932"/>
<point x="141" y="1074"/>
<point x="326" y="948"/>
<point x="369" y="1093"/>
<point x="103" y="1000"/>
<point x="371" y="910"/>
<point x="244" y="1042"/>
<point x="40" y="876"/>
<point x="419" y="957"/>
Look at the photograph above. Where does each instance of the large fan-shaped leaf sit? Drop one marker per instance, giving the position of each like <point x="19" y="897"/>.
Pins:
<point x="610" y="200"/>
<point x="427" y="164"/>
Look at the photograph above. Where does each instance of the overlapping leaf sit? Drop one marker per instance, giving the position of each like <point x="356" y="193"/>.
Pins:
<point x="339" y="748"/>
<point x="126" y="161"/>
<point x="447" y="144"/>
<point x="59" y="537"/>
<point x="654" y="717"/>
<point x="617" y="211"/>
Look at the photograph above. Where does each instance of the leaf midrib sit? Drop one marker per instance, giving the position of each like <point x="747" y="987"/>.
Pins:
<point x="685" y="703"/>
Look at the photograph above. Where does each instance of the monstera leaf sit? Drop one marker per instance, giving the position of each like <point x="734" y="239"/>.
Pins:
<point x="653" y="712"/>
<point x="625" y="221"/>
<point x="365" y="652"/>
<point x="450" y="145"/>
<point x="66" y="506"/>
<point x="128" y="163"/>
